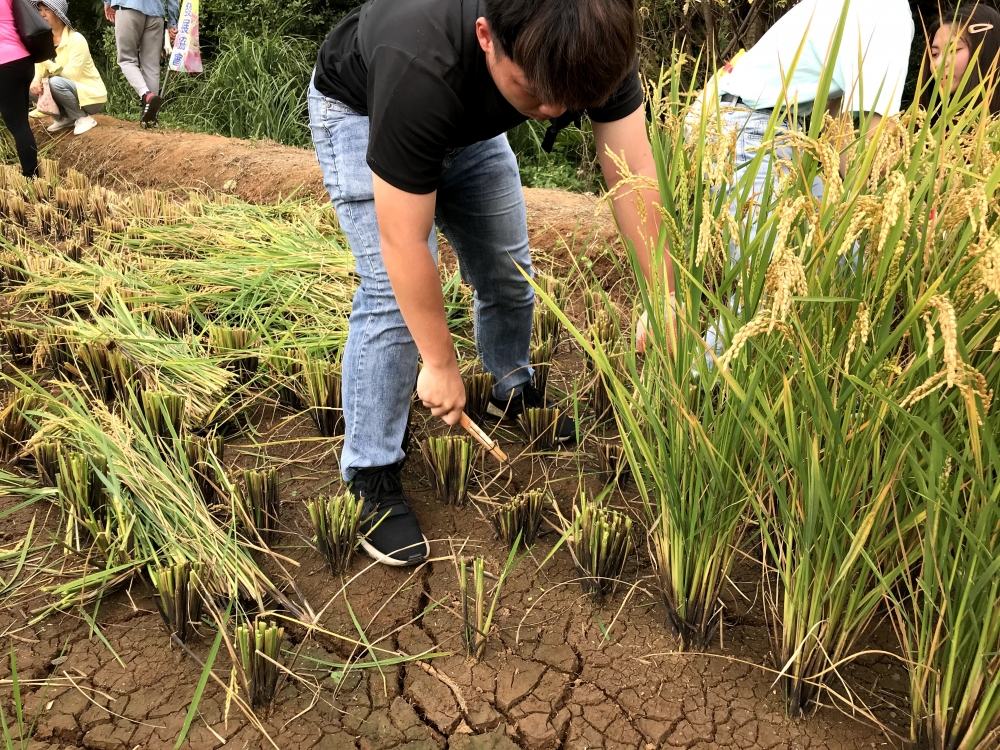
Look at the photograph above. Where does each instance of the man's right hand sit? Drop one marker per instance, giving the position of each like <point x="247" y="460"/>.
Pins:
<point x="442" y="391"/>
<point x="109" y="13"/>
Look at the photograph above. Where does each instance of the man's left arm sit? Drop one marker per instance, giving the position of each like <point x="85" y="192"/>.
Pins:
<point x="636" y="206"/>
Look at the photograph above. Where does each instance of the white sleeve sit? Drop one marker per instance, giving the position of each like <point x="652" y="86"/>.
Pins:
<point x="875" y="57"/>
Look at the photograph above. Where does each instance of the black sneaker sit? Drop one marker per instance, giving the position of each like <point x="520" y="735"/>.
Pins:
<point x="531" y="398"/>
<point x="390" y="532"/>
<point x="151" y="104"/>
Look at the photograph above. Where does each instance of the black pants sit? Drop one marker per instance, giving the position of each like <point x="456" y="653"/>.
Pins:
<point x="15" y="81"/>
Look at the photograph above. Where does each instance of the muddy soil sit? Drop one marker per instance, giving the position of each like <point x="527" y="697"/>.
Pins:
<point x="560" y="672"/>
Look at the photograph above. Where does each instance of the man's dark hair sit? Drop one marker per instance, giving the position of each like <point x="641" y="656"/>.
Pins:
<point x="980" y="27"/>
<point x="574" y="53"/>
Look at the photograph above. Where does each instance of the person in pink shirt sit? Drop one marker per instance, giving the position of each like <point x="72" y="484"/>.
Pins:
<point x="16" y="72"/>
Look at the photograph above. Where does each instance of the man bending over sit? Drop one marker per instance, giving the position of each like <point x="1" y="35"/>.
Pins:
<point x="408" y="107"/>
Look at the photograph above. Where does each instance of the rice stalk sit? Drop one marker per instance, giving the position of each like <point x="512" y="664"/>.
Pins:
<point x="178" y="597"/>
<point x="478" y="389"/>
<point x="163" y="412"/>
<point x="613" y="463"/>
<point x="204" y="456"/>
<point x="448" y="461"/>
<point x="478" y="609"/>
<point x="260" y="501"/>
<point x="15" y="425"/>
<point x="337" y="521"/>
<point x="541" y="362"/>
<point x="546" y="327"/>
<point x="540" y="426"/>
<point x="259" y="647"/>
<point x="323" y="395"/>
<point x="47" y="455"/>
<point x="601" y="542"/>
<point x="235" y="347"/>
<point x="18" y="341"/>
<point x="520" y="518"/>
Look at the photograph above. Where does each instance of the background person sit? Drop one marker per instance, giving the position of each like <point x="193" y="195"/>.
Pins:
<point x="408" y="109"/>
<point x="869" y="71"/>
<point x="139" y="38"/>
<point x="76" y="86"/>
<point x="16" y="70"/>
<point x="869" y="74"/>
<point x="967" y="34"/>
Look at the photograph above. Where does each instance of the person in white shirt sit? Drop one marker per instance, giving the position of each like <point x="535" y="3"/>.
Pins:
<point x="869" y="73"/>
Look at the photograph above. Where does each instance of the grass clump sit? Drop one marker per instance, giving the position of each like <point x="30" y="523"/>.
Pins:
<point x="448" y="461"/>
<point x="337" y="520"/>
<point x="520" y="518"/>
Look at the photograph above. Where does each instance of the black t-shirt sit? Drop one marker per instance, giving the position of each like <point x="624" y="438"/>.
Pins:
<point x="416" y="69"/>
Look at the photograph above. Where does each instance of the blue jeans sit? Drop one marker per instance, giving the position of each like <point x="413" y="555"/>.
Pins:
<point x="750" y="127"/>
<point x="480" y="210"/>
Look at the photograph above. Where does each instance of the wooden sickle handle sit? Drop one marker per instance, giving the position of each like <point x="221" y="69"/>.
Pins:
<point x="487" y="442"/>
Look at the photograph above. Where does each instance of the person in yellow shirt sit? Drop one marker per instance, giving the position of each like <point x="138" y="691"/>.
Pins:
<point x="75" y="84"/>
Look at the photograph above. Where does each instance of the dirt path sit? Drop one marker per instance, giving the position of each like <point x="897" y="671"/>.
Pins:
<point x="266" y="172"/>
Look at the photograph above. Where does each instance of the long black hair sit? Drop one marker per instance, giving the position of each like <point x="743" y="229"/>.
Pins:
<point x="980" y="27"/>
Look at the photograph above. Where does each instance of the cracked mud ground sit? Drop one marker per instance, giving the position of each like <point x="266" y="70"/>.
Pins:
<point x="560" y="673"/>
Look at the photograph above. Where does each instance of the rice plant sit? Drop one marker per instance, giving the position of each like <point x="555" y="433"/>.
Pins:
<point x="546" y="327"/>
<point x="258" y="645"/>
<point x="613" y="463"/>
<point x="323" y="395"/>
<point x="478" y="608"/>
<point x="163" y="412"/>
<point x="235" y="347"/>
<point x="601" y="542"/>
<point x="541" y="362"/>
<point x="448" y="461"/>
<point x="204" y="456"/>
<point x="336" y="520"/>
<point x="47" y="456"/>
<point x="178" y="597"/>
<point x="16" y="427"/>
<point x="260" y="501"/>
<point x="478" y="388"/>
<point x="520" y="518"/>
<point x="540" y="427"/>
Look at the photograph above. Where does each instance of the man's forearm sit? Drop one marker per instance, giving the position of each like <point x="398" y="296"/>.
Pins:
<point x="417" y="286"/>
<point x="641" y="227"/>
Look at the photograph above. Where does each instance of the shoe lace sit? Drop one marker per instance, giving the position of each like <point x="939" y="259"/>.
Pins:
<point x="384" y="489"/>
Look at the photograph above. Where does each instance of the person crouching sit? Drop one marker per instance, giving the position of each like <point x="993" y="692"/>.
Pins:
<point x="75" y="84"/>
